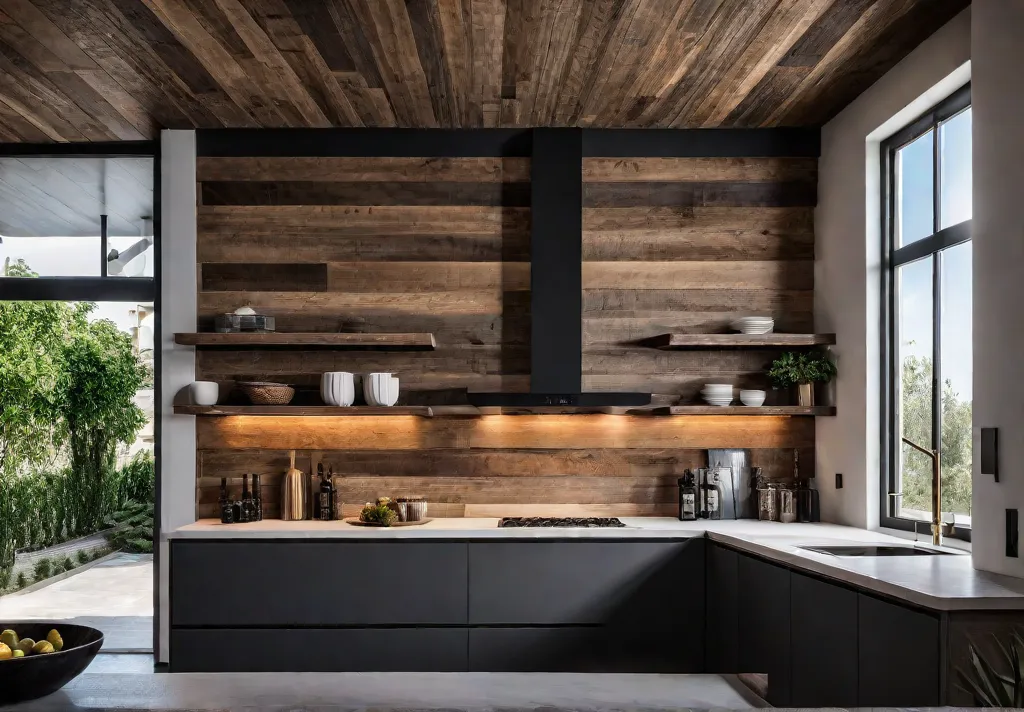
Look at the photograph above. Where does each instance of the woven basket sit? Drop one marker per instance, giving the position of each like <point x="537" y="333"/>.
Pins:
<point x="267" y="393"/>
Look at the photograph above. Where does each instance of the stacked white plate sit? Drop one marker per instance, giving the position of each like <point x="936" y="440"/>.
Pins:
<point x="754" y="324"/>
<point x="717" y="393"/>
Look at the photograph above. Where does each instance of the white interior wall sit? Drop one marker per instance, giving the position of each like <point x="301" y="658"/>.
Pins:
<point x="848" y="257"/>
<point x="997" y="95"/>
<point x="177" y="369"/>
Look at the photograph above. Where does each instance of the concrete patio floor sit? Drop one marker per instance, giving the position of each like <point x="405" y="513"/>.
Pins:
<point x="115" y="596"/>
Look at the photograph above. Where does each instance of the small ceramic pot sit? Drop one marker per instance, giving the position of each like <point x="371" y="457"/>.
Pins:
<point x="338" y="388"/>
<point x="805" y="394"/>
<point x="380" y="389"/>
<point x="204" y="392"/>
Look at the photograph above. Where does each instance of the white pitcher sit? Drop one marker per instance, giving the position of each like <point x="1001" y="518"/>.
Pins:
<point x="338" y="388"/>
<point x="380" y="389"/>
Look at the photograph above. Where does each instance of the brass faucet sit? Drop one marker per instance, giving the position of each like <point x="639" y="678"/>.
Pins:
<point x="937" y="524"/>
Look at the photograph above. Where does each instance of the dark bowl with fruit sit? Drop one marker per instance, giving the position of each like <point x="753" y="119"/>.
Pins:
<point x="44" y="662"/>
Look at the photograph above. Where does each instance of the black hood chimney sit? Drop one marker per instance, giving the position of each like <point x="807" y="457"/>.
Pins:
<point x="556" y="282"/>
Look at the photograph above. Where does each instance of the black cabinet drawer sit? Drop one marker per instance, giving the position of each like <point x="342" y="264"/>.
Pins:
<point x="824" y="634"/>
<point x="251" y="583"/>
<point x="584" y="649"/>
<point x="898" y="652"/>
<point x="319" y="650"/>
<point x="586" y="582"/>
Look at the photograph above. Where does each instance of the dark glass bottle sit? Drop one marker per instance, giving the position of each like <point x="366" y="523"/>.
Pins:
<point x="687" y="497"/>
<point x="325" y="500"/>
<point x="711" y="494"/>
<point x="247" y="505"/>
<point x="315" y="490"/>
<point x="227" y="512"/>
<point x="257" y="499"/>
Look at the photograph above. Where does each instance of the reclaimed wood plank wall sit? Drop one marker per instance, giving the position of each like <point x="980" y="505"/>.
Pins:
<point x="442" y="245"/>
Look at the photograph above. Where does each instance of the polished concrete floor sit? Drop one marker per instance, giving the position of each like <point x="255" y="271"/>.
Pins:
<point x="125" y="682"/>
<point x="115" y="596"/>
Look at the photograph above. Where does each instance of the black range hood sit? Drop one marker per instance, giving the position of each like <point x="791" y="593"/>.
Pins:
<point x="556" y="284"/>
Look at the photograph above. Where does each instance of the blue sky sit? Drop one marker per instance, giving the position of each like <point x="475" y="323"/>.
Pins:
<point x="916" y="221"/>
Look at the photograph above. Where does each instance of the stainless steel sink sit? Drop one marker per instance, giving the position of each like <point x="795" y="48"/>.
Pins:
<point x="874" y="550"/>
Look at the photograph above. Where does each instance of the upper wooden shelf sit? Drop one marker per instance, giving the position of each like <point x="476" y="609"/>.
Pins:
<point x="745" y="410"/>
<point x="717" y="341"/>
<point x="280" y="339"/>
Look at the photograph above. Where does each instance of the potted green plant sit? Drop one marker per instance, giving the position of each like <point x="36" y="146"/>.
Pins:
<point x="802" y="370"/>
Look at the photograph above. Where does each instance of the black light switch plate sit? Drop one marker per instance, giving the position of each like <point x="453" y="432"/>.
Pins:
<point x="1012" y="534"/>
<point x="839" y="480"/>
<point x="990" y="452"/>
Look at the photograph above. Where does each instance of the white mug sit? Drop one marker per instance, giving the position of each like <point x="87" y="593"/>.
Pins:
<point x="380" y="389"/>
<point x="204" y="392"/>
<point x="338" y="388"/>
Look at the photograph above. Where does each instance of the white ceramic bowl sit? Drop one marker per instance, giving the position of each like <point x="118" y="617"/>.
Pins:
<point x="752" y="398"/>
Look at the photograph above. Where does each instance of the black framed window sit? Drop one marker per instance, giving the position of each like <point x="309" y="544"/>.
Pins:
<point x="926" y="318"/>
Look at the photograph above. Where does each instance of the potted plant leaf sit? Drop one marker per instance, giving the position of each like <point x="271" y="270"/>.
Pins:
<point x="987" y="682"/>
<point x="802" y="370"/>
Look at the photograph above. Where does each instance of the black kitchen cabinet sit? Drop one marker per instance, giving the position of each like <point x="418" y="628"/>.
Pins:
<point x="898" y="655"/>
<point x="250" y="583"/>
<point x="722" y="605"/>
<point x="823" y="625"/>
<point x="583" y="649"/>
<point x="646" y="584"/>
<point x="319" y="650"/>
<point x="763" y="624"/>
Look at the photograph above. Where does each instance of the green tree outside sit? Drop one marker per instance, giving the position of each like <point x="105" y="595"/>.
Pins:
<point x="956" y="443"/>
<point x="67" y="389"/>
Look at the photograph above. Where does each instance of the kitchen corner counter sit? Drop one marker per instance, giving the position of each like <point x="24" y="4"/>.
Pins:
<point x="440" y="528"/>
<point x="942" y="583"/>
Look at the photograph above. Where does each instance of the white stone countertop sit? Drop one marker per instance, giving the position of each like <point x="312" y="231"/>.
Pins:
<point x="945" y="583"/>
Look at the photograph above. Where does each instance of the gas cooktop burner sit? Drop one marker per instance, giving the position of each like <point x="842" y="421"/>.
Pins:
<point x="589" y="522"/>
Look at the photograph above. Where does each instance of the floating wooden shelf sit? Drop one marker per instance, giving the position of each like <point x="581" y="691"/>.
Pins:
<point x="282" y="340"/>
<point x="300" y="410"/>
<point x="725" y="341"/>
<point x="305" y="411"/>
<point x="468" y="411"/>
<point x="745" y="410"/>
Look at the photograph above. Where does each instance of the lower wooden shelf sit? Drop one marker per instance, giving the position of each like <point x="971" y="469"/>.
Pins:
<point x="468" y="411"/>
<point x="745" y="410"/>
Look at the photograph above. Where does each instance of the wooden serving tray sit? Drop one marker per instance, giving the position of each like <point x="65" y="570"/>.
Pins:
<point x="356" y="522"/>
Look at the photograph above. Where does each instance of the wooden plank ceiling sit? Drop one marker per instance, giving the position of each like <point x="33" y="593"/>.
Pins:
<point x="74" y="70"/>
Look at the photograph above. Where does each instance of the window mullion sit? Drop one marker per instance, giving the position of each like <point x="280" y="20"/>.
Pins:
<point x="936" y="297"/>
